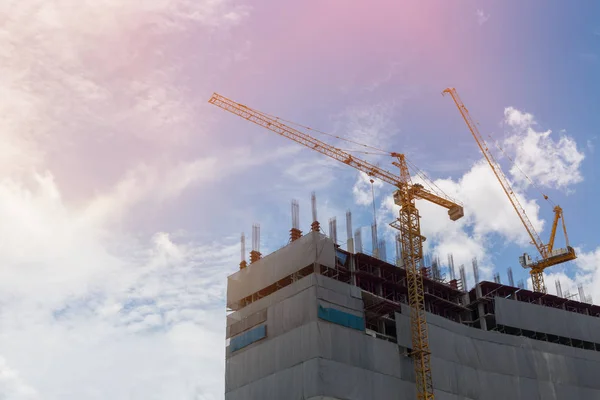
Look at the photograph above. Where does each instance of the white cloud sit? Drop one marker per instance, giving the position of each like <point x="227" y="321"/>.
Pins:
<point x="482" y="17"/>
<point x="88" y="309"/>
<point x="153" y="183"/>
<point x="583" y="272"/>
<point x="517" y="119"/>
<point x="363" y="194"/>
<point x="473" y="235"/>
<point x="11" y="385"/>
<point x="86" y="72"/>
<point x="587" y="272"/>
<point x="490" y="220"/>
<point x="69" y="276"/>
<point x="105" y="309"/>
<point x="548" y="162"/>
<point x="310" y="170"/>
<point x="371" y="124"/>
<point x="470" y="236"/>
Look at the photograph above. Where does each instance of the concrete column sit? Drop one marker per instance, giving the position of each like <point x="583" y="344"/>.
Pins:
<point x="466" y="299"/>
<point x="481" y="314"/>
<point x="478" y="293"/>
<point x="350" y="245"/>
<point x="352" y="266"/>
<point x="480" y="308"/>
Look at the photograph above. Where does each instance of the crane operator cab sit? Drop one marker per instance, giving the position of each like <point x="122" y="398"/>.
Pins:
<point x="525" y="260"/>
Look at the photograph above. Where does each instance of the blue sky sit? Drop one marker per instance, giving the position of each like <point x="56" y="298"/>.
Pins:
<point x="538" y="58"/>
<point x="123" y="192"/>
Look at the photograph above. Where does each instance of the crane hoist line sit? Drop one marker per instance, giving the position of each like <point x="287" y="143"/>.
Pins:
<point x="407" y="222"/>
<point x="549" y="256"/>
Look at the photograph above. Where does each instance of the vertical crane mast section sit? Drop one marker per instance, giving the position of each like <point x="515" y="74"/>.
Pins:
<point x="535" y="238"/>
<point x="412" y="254"/>
<point x="408" y="222"/>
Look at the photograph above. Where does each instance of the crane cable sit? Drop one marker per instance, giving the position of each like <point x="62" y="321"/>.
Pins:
<point x="434" y="188"/>
<point x="428" y="181"/>
<point x="537" y="187"/>
<point x="418" y="172"/>
<point x="381" y="152"/>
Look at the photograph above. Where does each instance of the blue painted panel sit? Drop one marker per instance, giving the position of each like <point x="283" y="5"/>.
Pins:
<point x="342" y="257"/>
<point x="341" y="318"/>
<point x="247" y="338"/>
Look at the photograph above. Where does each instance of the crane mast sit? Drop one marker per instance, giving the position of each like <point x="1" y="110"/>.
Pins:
<point x="412" y="254"/>
<point x="548" y="255"/>
<point x="408" y="222"/>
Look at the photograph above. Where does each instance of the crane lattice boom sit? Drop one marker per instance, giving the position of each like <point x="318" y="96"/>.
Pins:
<point x="535" y="238"/>
<point x="275" y="125"/>
<point x="549" y="256"/>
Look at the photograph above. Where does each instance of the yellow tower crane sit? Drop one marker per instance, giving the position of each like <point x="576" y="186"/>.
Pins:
<point x="549" y="255"/>
<point x="407" y="222"/>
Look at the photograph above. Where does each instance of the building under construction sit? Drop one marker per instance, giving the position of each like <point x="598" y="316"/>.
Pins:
<point x="314" y="320"/>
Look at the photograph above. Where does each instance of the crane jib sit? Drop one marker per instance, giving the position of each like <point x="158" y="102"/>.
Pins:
<point x="371" y="170"/>
<point x="549" y="256"/>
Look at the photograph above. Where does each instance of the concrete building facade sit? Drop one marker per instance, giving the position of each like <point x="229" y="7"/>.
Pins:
<point x="312" y="321"/>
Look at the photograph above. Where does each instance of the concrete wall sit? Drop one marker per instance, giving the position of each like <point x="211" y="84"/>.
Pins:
<point x="547" y="320"/>
<point x="310" y="248"/>
<point x="304" y="357"/>
<point x="475" y="364"/>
